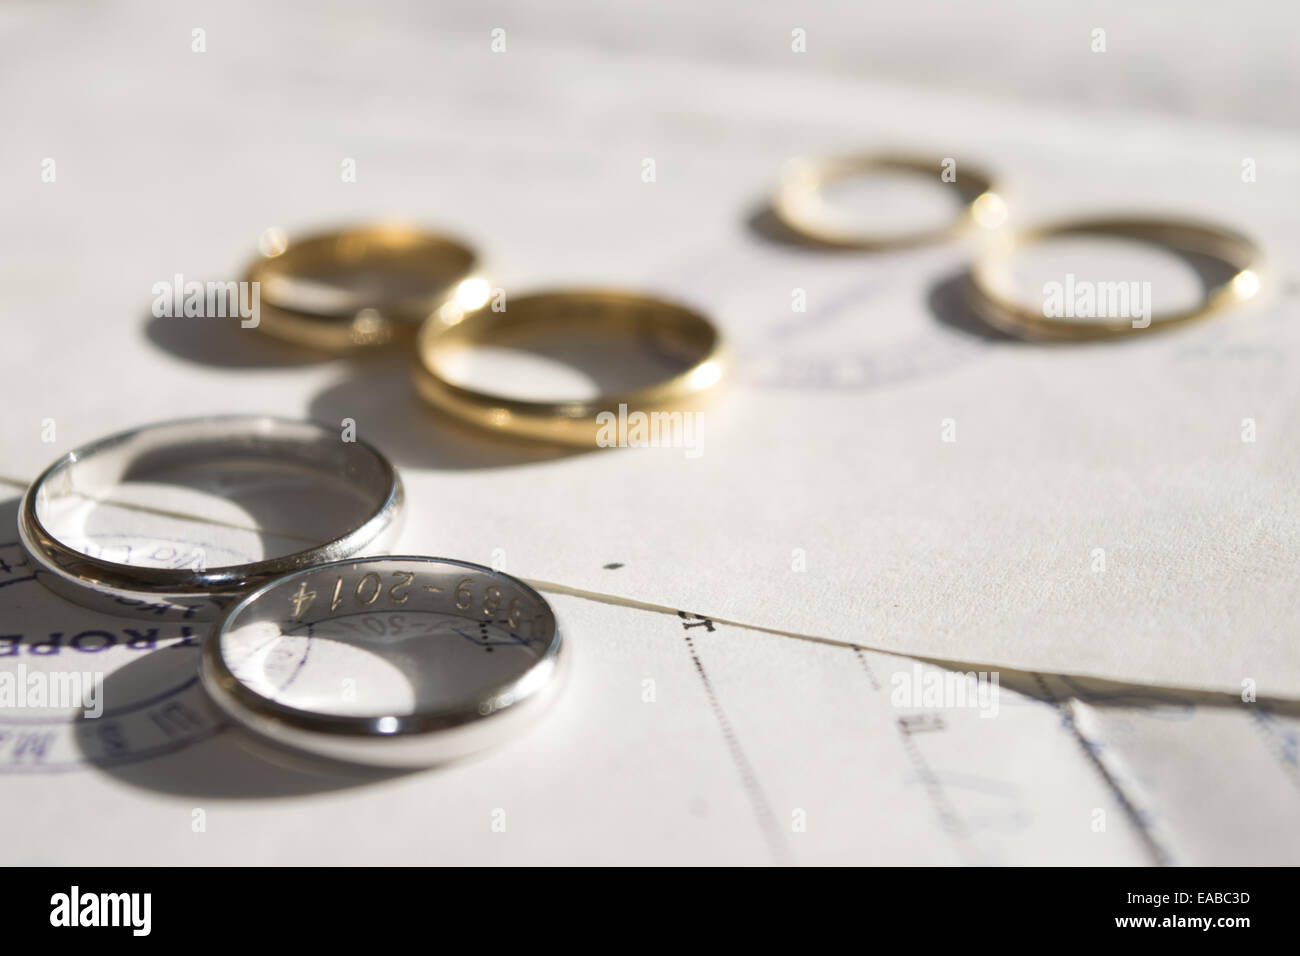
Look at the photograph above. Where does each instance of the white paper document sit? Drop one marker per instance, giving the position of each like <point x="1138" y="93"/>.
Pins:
<point x="829" y="443"/>
<point x="1111" y="530"/>
<point x="677" y="739"/>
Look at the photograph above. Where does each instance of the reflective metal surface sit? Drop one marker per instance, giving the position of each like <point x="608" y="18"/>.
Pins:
<point x="310" y="662"/>
<point x="92" y="471"/>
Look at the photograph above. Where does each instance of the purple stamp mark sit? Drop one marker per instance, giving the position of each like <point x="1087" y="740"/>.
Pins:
<point x="151" y="701"/>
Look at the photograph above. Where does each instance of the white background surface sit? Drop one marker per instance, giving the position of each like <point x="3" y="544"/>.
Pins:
<point x="170" y="161"/>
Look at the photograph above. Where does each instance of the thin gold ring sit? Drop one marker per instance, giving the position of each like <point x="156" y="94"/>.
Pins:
<point x="665" y="327"/>
<point x="800" y="204"/>
<point x="411" y="273"/>
<point x="994" y="298"/>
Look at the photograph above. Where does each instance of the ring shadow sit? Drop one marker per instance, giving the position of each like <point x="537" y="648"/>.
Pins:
<point x="764" y="223"/>
<point x="379" y="396"/>
<point x="224" y="343"/>
<point x="158" y="730"/>
<point x="216" y="760"/>
<point x="950" y="302"/>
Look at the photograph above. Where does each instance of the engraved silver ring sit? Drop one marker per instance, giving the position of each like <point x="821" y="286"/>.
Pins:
<point x="396" y="661"/>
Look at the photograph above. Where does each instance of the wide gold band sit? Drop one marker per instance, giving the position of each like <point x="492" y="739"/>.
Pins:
<point x="800" y="204"/>
<point x="993" y="290"/>
<point x="664" y="327"/>
<point x="400" y="275"/>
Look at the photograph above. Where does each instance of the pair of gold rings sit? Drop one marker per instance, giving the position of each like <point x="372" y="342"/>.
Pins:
<point x="800" y="206"/>
<point x="425" y="290"/>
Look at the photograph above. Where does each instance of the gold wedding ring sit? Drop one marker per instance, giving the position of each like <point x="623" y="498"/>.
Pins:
<point x="665" y="328"/>
<point x="358" y="288"/>
<point x="800" y="200"/>
<point x="993" y="288"/>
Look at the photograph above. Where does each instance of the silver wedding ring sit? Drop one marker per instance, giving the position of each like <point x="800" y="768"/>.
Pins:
<point x="293" y="449"/>
<point x="391" y="662"/>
